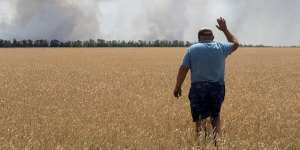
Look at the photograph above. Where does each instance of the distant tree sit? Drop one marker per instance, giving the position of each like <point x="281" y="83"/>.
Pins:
<point x="55" y="43"/>
<point x="92" y="43"/>
<point x="114" y="43"/>
<point x="1" y="43"/>
<point x="187" y="44"/>
<point x="85" y="44"/>
<point x="101" y="43"/>
<point x="181" y="44"/>
<point x="77" y="43"/>
<point x="36" y="43"/>
<point x="67" y="44"/>
<point x="14" y="43"/>
<point x="29" y="43"/>
<point x="156" y="43"/>
<point x="23" y="43"/>
<point x="142" y="43"/>
<point x="41" y="43"/>
<point x="7" y="43"/>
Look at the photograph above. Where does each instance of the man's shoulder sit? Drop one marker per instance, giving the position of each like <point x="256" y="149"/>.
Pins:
<point x="196" y="45"/>
<point x="213" y="43"/>
<point x="207" y="43"/>
<point x="202" y="45"/>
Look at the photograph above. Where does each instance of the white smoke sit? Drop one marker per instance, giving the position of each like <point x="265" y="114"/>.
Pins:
<point x="52" y="19"/>
<point x="270" y="22"/>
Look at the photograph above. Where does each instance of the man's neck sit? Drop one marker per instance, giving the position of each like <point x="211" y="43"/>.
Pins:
<point x="205" y="41"/>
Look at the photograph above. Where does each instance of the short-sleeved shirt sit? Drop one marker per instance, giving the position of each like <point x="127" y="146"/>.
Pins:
<point x="206" y="60"/>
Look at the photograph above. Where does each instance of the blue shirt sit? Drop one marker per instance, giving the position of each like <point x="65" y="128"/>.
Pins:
<point x="206" y="60"/>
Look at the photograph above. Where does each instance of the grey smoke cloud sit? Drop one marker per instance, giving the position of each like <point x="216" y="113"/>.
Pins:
<point x="268" y="21"/>
<point x="271" y="22"/>
<point x="258" y="21"/>
<point x="167" y="21"/>
<point x="53" y="19"/>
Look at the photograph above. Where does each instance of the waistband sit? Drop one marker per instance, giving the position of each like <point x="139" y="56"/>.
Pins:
<point x="207" y="83"/>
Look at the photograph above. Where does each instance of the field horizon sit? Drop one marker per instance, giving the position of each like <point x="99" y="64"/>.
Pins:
<point x="121" y="98"/>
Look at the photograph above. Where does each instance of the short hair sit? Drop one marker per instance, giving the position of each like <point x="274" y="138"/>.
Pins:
<point x="205" y="32"/>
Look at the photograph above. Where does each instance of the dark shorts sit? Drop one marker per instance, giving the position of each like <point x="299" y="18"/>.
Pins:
<point x="206" y="99"/>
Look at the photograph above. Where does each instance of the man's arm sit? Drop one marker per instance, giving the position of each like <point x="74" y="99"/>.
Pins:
<point x="183" y="70"/>
<point x="230" y="37"/>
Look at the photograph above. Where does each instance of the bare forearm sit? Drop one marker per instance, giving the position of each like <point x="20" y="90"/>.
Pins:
<point x="181" y="76"/>
<point x="231" y="38"/>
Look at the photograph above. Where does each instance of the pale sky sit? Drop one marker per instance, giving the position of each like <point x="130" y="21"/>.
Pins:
<point x="270" y="22"/>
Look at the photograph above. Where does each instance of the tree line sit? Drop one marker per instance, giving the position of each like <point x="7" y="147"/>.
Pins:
<point x="104" y="43"/>
<point x="93" y="43"/>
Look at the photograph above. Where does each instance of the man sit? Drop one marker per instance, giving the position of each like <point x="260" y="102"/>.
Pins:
<point x="206" y="60"/>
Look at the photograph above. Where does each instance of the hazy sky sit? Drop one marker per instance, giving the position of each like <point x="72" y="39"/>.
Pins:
<point x="270" y="22"/>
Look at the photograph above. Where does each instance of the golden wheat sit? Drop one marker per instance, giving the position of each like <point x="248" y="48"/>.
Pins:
<point x="122" y="99"/>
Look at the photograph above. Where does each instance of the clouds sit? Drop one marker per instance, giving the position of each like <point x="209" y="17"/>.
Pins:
<point x="258" y="21"/>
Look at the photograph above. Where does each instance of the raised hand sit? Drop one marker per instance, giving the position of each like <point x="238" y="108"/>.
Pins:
<point x="221" y="24"/>
<point x="230" y="37"/>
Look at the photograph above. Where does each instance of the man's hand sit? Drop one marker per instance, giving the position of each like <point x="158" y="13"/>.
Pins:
<point x="177" y="92"/>
<point x="180" y="78"/>
<point x="230" y="37"/>
<point x="222" y="24"/>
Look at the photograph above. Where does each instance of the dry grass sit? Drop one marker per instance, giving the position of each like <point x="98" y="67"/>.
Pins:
<point x="122" y="99"/>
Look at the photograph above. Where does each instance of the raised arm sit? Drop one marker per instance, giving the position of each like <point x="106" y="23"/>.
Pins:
<point x="230" y="37"/>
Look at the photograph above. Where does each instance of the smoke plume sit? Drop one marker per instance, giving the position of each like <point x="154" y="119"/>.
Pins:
<point x="164" y="22"/>
<point x="54" y="19"/>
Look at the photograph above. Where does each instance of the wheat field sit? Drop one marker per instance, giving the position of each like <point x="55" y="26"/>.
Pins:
<point x="65" y="99"/>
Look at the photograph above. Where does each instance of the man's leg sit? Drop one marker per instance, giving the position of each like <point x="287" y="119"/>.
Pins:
<point x="201" y="128"/>
<point x="217" y="97"/>
<point x="201" y="132"/>
<point x="216" y="124"/>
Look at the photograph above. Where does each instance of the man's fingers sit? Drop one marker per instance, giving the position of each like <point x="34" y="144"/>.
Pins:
<point x="219" y="21"/>
<point x="221" y="24"/>
<point x="177" y="93"/>
<point x="222" y="18"/>
<point x="224" y="21"/>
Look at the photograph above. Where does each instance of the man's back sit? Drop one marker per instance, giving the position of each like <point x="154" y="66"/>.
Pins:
<point x="206" y="61"/>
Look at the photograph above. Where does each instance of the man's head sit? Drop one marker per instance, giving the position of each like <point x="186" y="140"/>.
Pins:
<point x="205" y="34"/>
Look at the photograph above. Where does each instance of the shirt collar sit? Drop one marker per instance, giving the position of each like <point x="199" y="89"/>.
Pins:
<point x="206" y="41"/>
